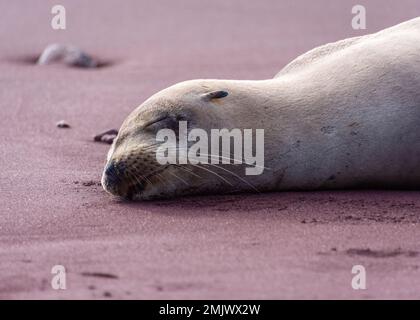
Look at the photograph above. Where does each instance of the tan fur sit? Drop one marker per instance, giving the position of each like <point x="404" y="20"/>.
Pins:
<point x="342" y="115"/>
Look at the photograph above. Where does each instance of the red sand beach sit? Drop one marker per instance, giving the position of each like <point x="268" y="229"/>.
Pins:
<point x="273" y="246"/>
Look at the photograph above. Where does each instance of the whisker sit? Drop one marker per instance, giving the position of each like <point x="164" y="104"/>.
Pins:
<point x="173" y="174"/>
<point x="139" y="181"/>
<point x="151" y="146"/>
<point x="151" y="175"/>
<point x="187" y="170"/>
<point x="239" y="177"/>
<point x="246" y="161"/>
<point x="208" y="170"/>
<point x="158" y="175"/>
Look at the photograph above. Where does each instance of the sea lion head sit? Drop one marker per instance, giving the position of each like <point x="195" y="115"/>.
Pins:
<point x="132" y="170"/>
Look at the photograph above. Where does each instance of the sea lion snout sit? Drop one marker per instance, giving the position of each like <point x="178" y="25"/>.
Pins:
<point x="129" y="170"/>
<point x="114" y="170"/>
<point x="113" y="178"/>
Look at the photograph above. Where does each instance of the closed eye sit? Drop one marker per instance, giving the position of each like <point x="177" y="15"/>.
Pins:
<point x="164" y="122"/>
<point x="147" y="124"/>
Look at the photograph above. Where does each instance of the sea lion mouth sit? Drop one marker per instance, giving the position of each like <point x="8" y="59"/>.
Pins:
<point x="134" y="189"/>
<point x="137" y="188"/>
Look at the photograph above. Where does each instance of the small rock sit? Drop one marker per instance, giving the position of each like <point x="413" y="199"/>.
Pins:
<point x="67" y="54"/>
<point x="107" y="136"/>
<point x="62" y="124"/>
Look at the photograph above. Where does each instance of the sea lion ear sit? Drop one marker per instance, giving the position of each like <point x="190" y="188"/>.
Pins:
<point x="215" y="95"/>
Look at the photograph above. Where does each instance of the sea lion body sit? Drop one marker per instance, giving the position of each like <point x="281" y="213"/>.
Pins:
<point x="344" y="115"/>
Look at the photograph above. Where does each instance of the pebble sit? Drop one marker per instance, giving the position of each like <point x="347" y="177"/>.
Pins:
<point x="62" y="124"/>
<point x="107" y="136"/>
<point x="68" y="55"/>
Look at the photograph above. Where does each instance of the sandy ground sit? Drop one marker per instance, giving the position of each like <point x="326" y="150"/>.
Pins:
<point x="280" y="245"/>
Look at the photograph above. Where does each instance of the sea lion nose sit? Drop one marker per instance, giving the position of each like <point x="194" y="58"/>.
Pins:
<point x="114" y="171"/>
